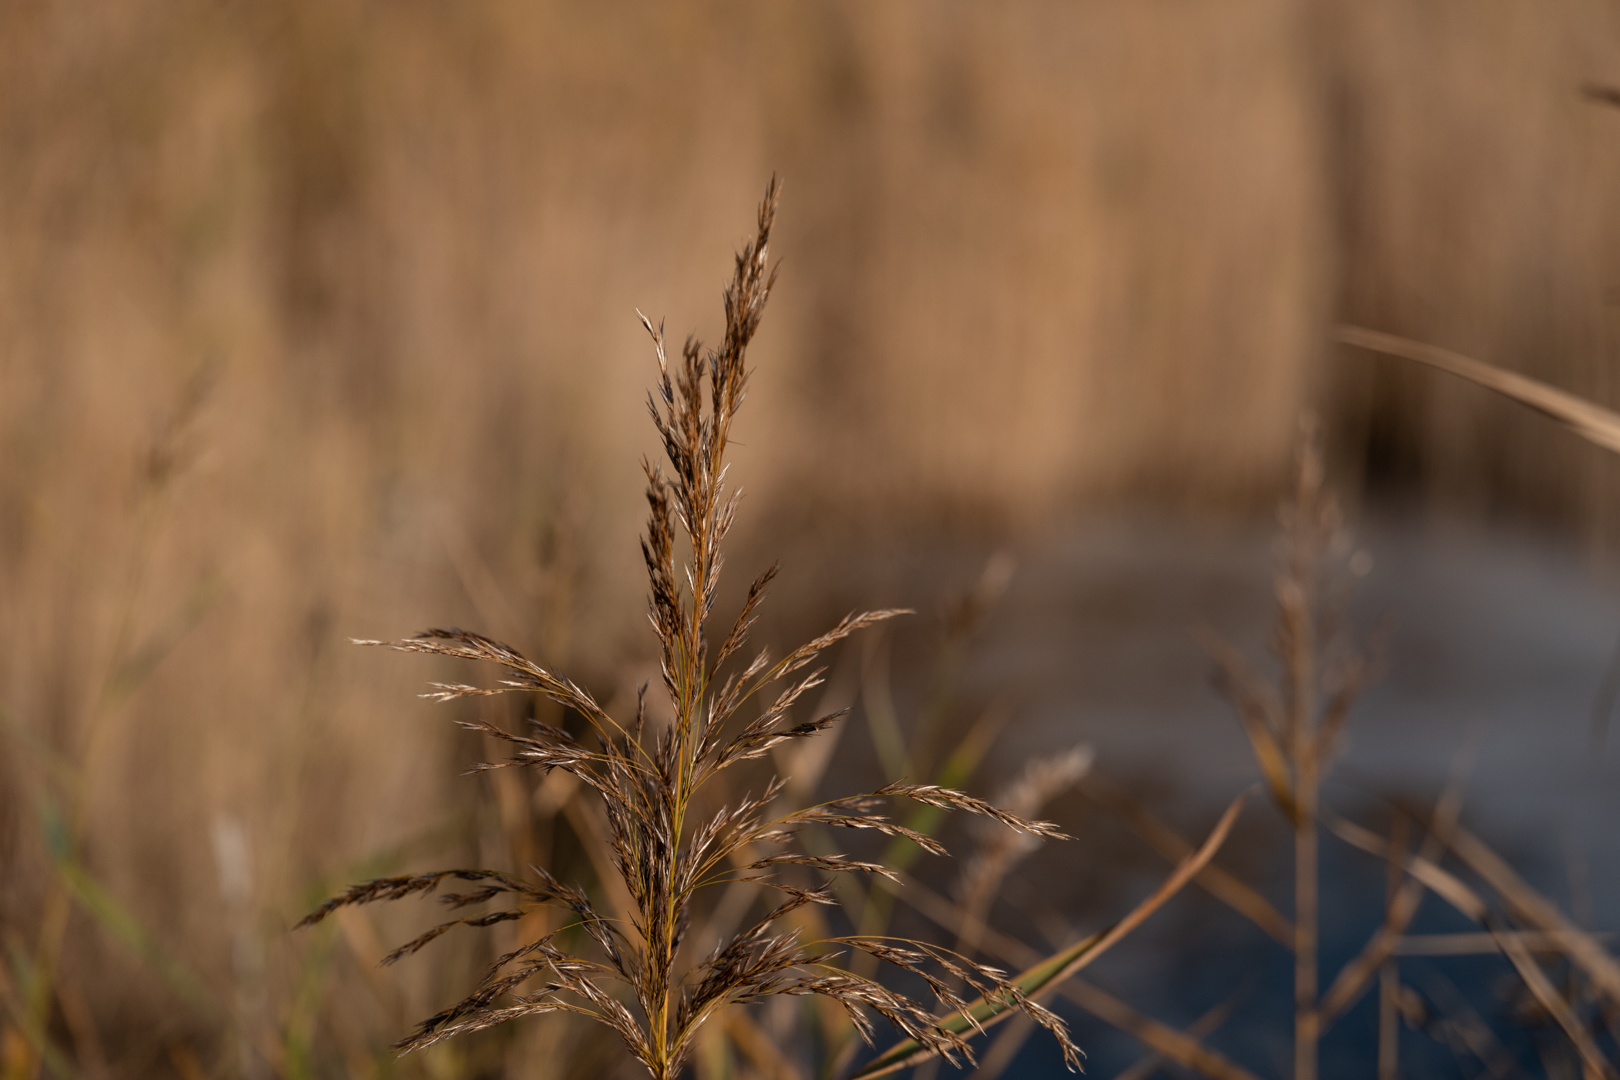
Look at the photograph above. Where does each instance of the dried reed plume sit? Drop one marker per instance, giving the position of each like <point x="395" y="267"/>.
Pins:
<point x="1295" y="727"/>
<point x="638" y="983"/>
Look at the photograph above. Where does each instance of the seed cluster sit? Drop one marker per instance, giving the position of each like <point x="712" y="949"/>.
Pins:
<point x="640" y="984"/>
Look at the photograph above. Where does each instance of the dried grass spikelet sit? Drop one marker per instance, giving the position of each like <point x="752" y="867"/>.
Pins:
<point x="997" y="851"/>
<point x="638" y="983"/>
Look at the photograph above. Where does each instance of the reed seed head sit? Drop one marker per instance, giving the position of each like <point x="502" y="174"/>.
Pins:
<point x="639" y="983"/>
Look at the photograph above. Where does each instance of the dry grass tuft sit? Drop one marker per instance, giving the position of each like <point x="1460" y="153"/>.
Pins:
<point x="638" y="981"/>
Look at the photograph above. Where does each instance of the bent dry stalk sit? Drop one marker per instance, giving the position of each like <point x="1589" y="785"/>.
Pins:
<point x="637" y="982"/>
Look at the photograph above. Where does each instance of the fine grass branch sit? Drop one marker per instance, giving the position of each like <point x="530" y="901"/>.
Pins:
<point x="1590" y="421"/>
<point x="1054" y="970"/>
<point x="1578" y="946"/>
<point x="640" y="978"/>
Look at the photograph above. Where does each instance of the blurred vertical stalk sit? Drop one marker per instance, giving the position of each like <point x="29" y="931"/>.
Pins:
<point x="1297" y="603"/>
<point x="1389" y="1032"/>
<point x="129" y="662"/>
<point x="1294" y="726"/>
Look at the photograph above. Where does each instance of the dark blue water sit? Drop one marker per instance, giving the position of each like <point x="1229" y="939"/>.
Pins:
<point x="1500" y="646"/>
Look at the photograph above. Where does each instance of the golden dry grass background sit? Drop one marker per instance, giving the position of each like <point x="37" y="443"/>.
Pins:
<point x="1037" y="256"/>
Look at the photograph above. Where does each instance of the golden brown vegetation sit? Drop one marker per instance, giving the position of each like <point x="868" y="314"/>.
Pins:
<point x="306" y="308"/>
<point x="653" y="781"/>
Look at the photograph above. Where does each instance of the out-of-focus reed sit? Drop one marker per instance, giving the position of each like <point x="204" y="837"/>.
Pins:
<point x="399" y="243"/>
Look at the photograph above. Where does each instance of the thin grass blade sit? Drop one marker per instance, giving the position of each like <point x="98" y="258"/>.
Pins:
<point x="1220" y="884"/>
<point x="1179" y="1047"/>
<point x="123" y="925"/>
<point x="1591" y="422"/>
<point x="1055" y="969"/>
<point x="1248" y="698"/>
<point x="1357" y="975"/>
<point x="1534" y="908"/>
<point x="1471" y="904"/>
<point x="1205" y="1025"/>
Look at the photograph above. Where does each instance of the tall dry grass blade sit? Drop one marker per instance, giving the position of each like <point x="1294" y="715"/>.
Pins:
<point x="1389" y="1021"/>
<point x="1591" y="422"/>
<point x="1184" y="1050"/>
<point x="1166" y="1040"/>
<point x="1357" y="975"/>
<point x="1201" y="1028"/>
<point x="1389" y="972"/>
<point x="1551" y="1000"/>
<point x="1214" y="880"/>
<point x="1581" y="946"/>
<point x="1536" y="910"/>
<point x="1460" y="1027"/>
<point x="1053" y="971"/>
<point x="1470" y="903"/>
<point x="1305" y="532"/>
<point x="1262" y="716"/>
<point x="1441" y="882"/>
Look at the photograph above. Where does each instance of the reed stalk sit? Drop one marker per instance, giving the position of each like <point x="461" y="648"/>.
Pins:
<point x="650" y="778"/>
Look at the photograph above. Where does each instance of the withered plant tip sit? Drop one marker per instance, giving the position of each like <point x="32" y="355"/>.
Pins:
<point x="639" y="983"/>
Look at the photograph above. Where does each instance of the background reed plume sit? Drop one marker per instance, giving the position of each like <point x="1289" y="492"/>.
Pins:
<point x="649" y="776"/>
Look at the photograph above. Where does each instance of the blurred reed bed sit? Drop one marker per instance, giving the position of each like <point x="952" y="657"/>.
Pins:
<point x="276" y="1021"/>
<point x="315" y="320"/>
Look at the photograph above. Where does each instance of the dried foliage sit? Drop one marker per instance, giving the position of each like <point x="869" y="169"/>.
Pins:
<point x="648" y="777"/>
<point x="1295" y="725"/>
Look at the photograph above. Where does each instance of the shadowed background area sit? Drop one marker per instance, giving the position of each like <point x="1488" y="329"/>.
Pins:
<point x="318" y="321"/>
